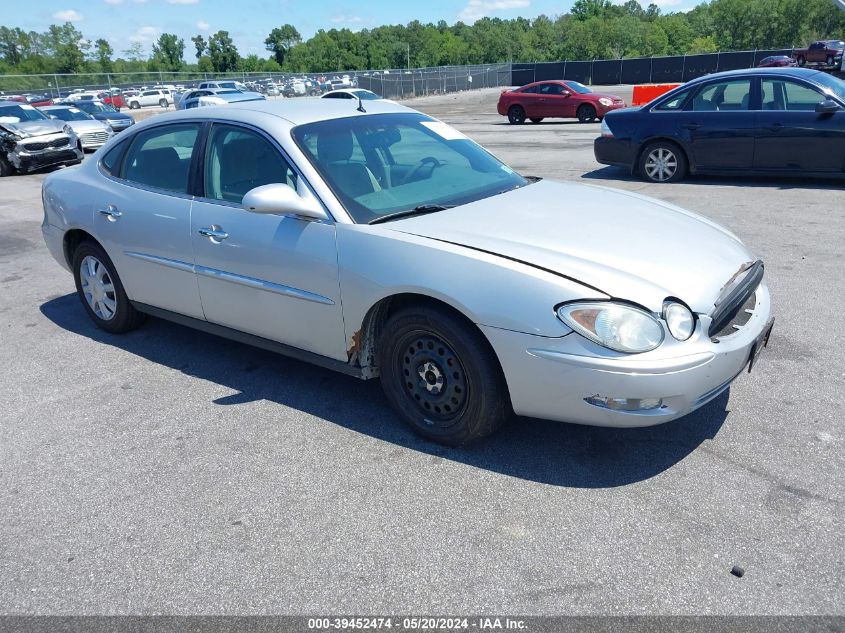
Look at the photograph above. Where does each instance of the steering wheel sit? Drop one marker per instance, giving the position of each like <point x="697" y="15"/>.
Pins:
<point x="429" y="163"/>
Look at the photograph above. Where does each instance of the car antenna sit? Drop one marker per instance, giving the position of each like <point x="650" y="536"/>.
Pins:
<point x="360" y="107"/>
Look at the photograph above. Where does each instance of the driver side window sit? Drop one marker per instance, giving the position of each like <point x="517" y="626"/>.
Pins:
<point x="237" y="160"/>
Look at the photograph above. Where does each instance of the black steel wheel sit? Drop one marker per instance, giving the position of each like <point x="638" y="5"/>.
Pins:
<point x="586" y="113"/>
<point x="441" y="376"/>
<point x="516" y="115"/>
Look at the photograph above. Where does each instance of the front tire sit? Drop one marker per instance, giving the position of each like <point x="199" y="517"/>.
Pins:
<point x="441" y="376"/>
<point x="6" y="168"/>
<point x="586" y="113"/>
<point x="163" y="103"/>
<point x="101" y="291"/>
<point x="516" y="115"/>
<point x="663" y="161"/>
<point x="134" y="105"/>
<point x="802" y="61"/>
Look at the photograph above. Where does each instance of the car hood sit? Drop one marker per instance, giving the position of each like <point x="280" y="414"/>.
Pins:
<point x="622" y="244"/>
<point x="88" y="125"/>
<point x="25" y="129"/>
<point x="607" y="95"/>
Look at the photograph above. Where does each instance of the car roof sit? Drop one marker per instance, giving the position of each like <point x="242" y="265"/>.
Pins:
<point x="803" y="73"/>
<point x="295" y="111"/>
<point x="58" y="106"/>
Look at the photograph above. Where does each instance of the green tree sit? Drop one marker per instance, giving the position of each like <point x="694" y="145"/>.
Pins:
<point x="281" y="40"/>
<point x="168" y="52"/>
<point x="223" y="53"/>
<point x="200" y="45"/>
<point x="103" y="53"/>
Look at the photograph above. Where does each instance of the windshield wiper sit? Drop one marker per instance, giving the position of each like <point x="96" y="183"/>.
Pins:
<point x="420" y="210"/>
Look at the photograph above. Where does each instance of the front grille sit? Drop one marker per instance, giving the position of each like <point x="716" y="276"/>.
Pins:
<point x="94" y="137"/>
<point x="736" y="305"/>
<point x="118" y="123"/>
<point x="37" y="146"/>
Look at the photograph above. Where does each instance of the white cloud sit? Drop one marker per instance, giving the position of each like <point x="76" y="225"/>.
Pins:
<point x="68" y="15"/>
<point x="477" y="9"/>
<point x="113" y="1"/>
<point x="183" y="1"/>
<point x="145" y="34"/>
<point x="202" y="25"/>
<point x="346" y="19"/>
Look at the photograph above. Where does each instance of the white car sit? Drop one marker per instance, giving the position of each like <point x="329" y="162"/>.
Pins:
<point x="353" y="93"/>
<point x="384" y="243"/>
<point x="160" y="97"/>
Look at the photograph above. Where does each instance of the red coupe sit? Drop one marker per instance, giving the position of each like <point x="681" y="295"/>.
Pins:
<point x="560" y="99"/>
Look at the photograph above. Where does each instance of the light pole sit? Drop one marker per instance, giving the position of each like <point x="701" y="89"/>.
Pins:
<point x="408" y="53"/>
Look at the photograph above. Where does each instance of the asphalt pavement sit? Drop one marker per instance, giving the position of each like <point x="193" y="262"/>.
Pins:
<point x="169" y="471"/>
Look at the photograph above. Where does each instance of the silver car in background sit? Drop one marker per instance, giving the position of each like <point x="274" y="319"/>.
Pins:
<point x="91" y="132"/>
<point x="380" y="242"/>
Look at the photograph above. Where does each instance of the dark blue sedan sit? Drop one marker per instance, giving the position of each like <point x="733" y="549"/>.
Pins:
<point x="759" y="121"/>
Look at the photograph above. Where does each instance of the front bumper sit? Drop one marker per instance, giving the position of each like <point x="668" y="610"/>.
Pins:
<point x="550" y="378"/>
<point x="27" y="160"/>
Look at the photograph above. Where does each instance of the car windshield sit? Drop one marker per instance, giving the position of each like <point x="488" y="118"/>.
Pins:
<point x="832" y="84"/>
<point x="19" y="113"/>
<point x="581" y="89"/>
<point x="383" y="164"/>
<point x="94" y="106"/>
<point x="366" y="95"/>
<point x="69" y="114"/>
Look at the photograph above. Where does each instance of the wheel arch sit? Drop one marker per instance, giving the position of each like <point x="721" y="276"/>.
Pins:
<point x="72" y="239"/>
<point x="364" y="345"/>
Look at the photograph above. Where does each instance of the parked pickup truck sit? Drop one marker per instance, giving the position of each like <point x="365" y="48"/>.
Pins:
<point x="822" y="53"/>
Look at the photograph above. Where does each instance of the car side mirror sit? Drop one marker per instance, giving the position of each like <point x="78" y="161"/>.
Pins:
<point x="828" y="106"/>
<point x="565" y="93"/>
<point x="281" y="199"/>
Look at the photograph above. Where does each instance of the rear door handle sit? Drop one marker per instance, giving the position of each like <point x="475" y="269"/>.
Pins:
<point x="216" y="233"/>
<point x="776" y="127"/>
<point x="692" y="126"/>
<point x="110" y="212"/>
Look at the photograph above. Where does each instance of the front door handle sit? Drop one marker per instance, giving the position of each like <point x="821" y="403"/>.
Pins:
<point x="215" y="233"/>
<point x="692" y="126"/>
<point x="110" y="212"/>
<point x="776" y="127"/>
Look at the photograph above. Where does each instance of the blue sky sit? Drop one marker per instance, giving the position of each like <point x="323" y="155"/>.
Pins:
<point x="123" y="22"/>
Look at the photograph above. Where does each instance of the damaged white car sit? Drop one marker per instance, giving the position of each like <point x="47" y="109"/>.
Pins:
<point x="30" y="141"/>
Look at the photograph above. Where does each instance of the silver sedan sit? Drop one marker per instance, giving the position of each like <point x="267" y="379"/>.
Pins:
<point x="91" y="132"/>
<point x="374" y="240"/>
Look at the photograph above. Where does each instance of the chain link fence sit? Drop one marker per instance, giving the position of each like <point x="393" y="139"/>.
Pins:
<point x="390" y="83"/>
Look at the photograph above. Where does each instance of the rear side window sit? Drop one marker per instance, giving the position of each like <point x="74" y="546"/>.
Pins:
<point x="723" y="96"/>
<point x="161" y="157"/>
<point x="532" y="90"/>
<point x="238" y="159"/>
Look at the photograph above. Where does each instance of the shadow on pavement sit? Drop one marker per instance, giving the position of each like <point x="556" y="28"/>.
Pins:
<point x="547" y="452"/>
<point x="772" y="182"/>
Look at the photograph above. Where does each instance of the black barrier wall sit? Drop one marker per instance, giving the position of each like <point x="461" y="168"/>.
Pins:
<point x="640" y="70"/>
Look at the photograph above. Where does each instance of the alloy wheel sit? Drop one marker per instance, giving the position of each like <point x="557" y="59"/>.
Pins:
<point x="661" y="164"/>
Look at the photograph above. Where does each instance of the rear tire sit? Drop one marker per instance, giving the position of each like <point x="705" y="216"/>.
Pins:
<point x="516" y="115"/>
<point x="537" y="120"/>
<point x="163" y="103"/>
<point x="441" y="376"/>
<point x="101" y="291"/>
<point x="830" y="60"/>
<point x="586" y="113"/>
<point x="663" y="161"/>
<point x="134" y="105"/>
<point x="802" y="61"/>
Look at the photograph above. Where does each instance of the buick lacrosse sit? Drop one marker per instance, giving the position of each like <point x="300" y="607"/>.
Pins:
<point x="372" y="239"/>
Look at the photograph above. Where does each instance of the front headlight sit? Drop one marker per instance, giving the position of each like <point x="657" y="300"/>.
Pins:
<point x="679" y="320"/>
<point x="68" y="130"/>
<point x="616" y="326"/>
<point x="605" y="101"/>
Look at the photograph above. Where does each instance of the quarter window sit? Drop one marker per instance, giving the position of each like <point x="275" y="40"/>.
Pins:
<point x="675" y="102"/>
<point x="161" y="157"/>
<point x="238" y="160"/>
